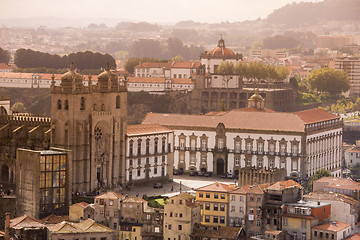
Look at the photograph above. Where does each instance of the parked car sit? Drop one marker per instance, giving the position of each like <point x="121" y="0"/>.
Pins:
<point x="158" y="185"/>
<point x="177" y="172"/>
<point x="201" y="173"/>
<point x="207" y="174"/>
<point x="193" y="173"/>
<point x="225" y="175"/>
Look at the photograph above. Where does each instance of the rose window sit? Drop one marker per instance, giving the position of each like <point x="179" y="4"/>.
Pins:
<point x="98" y="134"/>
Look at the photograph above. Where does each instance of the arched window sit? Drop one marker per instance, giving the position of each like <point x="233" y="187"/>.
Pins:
<point x="103" y="107"/>
<point x="66" y="107"/>
<point x="117" y="101"/>
<point x="82" y="103"/>
<point x="59" y="104"/>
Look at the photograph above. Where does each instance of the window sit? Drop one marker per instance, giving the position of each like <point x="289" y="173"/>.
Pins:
<point x="216" y="195"/>
<point x="111" y="203"/>
<point x="258" y="222"/>
<point x="180" y="227"/>
<point x="207" y="206"/>
<point x="180" y="215"/>
<point x="241" y="198"/>
<point x="222" y="196"/>
<point x="271" y="148"/>
<point x="139" y="162"/>
<point x="222" y="219"/>
<point x="148" y="146"/>
<point x="182" y="143"/>
<point x="169" y="226"/>
<point x="82" y="103"/>
<point x="215" y="219"/>
<point x="303" y="236"/>
<point x="282" y="148"/>
<point x="131" y="145"/>
<point x="155" y="170"/>
<point x="101" y="201"/>
<point x="222" y="207"/>
<point x="232" y="208"/>
<point x="303" y="223"/>
<point x="163" y="145"/>
<point x="237" y="161"/>
<point x="332" y="236"/>
<point x="241" y="209"/>
<point x="315" y="233"/>
<point x="207" y="218"/>
<point x="170" y="214"/>
<point x="66" y="107"/>
<point x="156" y="146"/>
<point x="258" y="199"/>
<point x="138" y="173"/>
<point x="285" y="221"/>
<point x="220" y="143"/>
<point x="216" y="207"/>
<point x="233" y="197"/>
<point x="237" y="146"/>
<point x="139" y="148"/>
<point x="180" y="202"/>
<point x="207" y="195"/>
<point x="248" y="147"/>
<point x="192" y="144"/>
<point x="260" y="147"/>
<point x="275" y="221"/>
<point x="203" y="144"/>
<point x="59" y="104"/>
<point x="117" y="101"/>
<point x="201" y="195"/>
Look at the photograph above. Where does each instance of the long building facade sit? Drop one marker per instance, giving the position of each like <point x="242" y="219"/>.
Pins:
<point x="225" y="142"/>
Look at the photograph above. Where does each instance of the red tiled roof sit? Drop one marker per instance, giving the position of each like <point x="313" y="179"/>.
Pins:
<point x="159" y="80"/>
<point x="4" y="66"/>
<point x="16" y="75"/>
<point x="353" y="149"/>
<point x="315" y="115"/>
<point x="216" y="187"/>
<point x="355" y="236"/>
<point x="110" y="195"/>
<point x="49" y="76"/>
<point x="333" y="226"/>
<point x="186" y="64"/>
<point x="341" y="183"/>
<point x="319" y="195"/>
<point x="141" y="129"/>
<point x="134" y="200"/>
<point x="53" y="219"/>
<point x="258" y="189"/>
<point x="82" y="204"/>
<point x="284" y="184"/>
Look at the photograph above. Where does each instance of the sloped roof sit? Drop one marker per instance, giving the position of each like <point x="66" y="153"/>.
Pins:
<point x="284" y="184"/>
<point x="333" y="226"/>
<point x="185" y="64"/>
<point x="16" y="75"/>
<point x="4" y="66"/>
<point x="235" y="119"/>
<point x="216" y="187"/>
<point x="184" y="195"/>
<point x="341" y="183"/>
<point x="141" y="129"/>
<point x="258" y="189"/>
<point x="134" y="200"/>
<point x="82" y="204"/>
<point x="110" y="195"/>
<point x="88" y="226"/>
<point x="353" y="149"/>
<point x="26" y="222"/>
<point x="54" y="219"/>
<point x="355" y="236"/>
<point x="315" y="115"/>
<point x="319" y="195"/>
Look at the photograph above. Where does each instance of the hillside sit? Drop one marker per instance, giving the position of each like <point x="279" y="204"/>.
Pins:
<point x="296" y="14"/>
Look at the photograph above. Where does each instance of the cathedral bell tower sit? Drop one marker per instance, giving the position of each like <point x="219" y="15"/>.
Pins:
<point x="91" y="121"/>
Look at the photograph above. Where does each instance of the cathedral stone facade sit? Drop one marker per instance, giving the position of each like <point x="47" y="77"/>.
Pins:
<point x="91" y="121"/>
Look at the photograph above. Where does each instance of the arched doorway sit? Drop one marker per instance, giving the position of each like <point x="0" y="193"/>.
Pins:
<point x="220" y="166"/>
<point x="4" y="173"/>
<point x="3" y="111"/>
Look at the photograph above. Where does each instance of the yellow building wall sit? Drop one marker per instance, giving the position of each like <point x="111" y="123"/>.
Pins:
<point x="212" y="200"/>
<point x="131" y="235"/>
<point x="295" y="225"/>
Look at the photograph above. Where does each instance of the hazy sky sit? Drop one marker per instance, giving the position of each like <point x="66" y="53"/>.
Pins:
<point x="163" y="11"/>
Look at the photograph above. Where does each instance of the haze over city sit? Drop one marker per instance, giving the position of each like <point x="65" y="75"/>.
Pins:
<point x="159" y="11"/>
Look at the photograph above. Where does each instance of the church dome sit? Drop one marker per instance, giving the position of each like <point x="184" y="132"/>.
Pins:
<point x="221" y="50"/>
<point x="107" y="77"/>
<point x="256" y="97"/>
<point x="71" y="75"/>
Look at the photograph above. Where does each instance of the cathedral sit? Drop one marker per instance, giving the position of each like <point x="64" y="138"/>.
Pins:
<point x="91" y="121"/>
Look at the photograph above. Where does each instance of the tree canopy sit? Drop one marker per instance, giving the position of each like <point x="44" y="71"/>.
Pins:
<point x="18" y="107"/>
<point x="27" y="58"/>
<point x="131" y="63"/>
<point x="318" y="174"/>
<point x="4" y="56"/>
<point x="329" y="80"/>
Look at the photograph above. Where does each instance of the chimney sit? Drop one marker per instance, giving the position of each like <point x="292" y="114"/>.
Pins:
<point x="7" y="226"/>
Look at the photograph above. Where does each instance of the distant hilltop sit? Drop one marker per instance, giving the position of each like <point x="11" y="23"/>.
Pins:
<point x="297" y="14"/>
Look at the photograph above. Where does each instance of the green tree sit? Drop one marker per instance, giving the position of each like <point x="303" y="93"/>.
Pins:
<point x="241" y="70"/>
<point x="226" y="69"/>
<point x="177" y="58"/>
<point x="329" y="80"/>
<point x="131" y="63"/>
<point x="4" y="56"/>
<point x="18" y="107"/>
<point x="318" y="174"/>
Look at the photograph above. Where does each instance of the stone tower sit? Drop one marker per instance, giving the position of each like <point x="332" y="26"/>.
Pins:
<point x="91" y="121"/>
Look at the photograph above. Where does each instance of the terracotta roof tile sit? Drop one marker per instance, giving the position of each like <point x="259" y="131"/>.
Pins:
<point x="186" y="64"/>
<point x="110" y="195"/>
<point x="284" y="184"/>
<point x="355" y="236"/>
<point x="141" y="129"/>
<point x="319" y="195"/>
<point x="53" y="219"/>
<point x="333" y="226"/>
<point x="82" y="204"/>
<point x="26" y="222"/>
<point x="134" y="200"/>
<point x="340" y="183"/>
<point x="4" y="66"/>
<point x="354" y="149"/>
<point x="315" y="115"/>
<point x="258" y="189"/>
<point x="184" y="195"/>
<point x="216" y="187"/>
<point x="16" y="75"/>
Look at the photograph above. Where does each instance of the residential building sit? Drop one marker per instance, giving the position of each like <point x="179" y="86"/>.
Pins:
<point x="130" y="231"/>
<point x="5" y="68"/>
<point x="173" y="69"/>
<point x="180" y="216"/>
<point x="81" y="211"/>
<point x="205" y="232"/>
<point x="48" y="172"/>
<point x="107" y="209"/>
<point x="355" y="236"/>
<point x="224" y="142"/>
<point x="352" y="156"/>
<point x="332" y="230"/>
<point x="276" y="196"/>
<point x="153" y="224"/>
<point x="214" y="202"/>
<point x="26" y="227"/>
<point x="159" y="85"/>
<point x="54" y="219"/>
<point x="343" y="208"/>
<point x="337" y="185"/>
<point x="255" y="199"/>
<point x="149" y="154"/>
<point x="299" y="218"/>
<point x="133" y="209"/>
<point x="273" y="53"/>
<point x="351" y="65"/>
<point x="237" y="206"/>
<point x="87" y="229"/>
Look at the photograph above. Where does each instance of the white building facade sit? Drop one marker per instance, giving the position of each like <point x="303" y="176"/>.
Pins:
<point x="149" y="154"/>
<point x="221" y="143"/>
